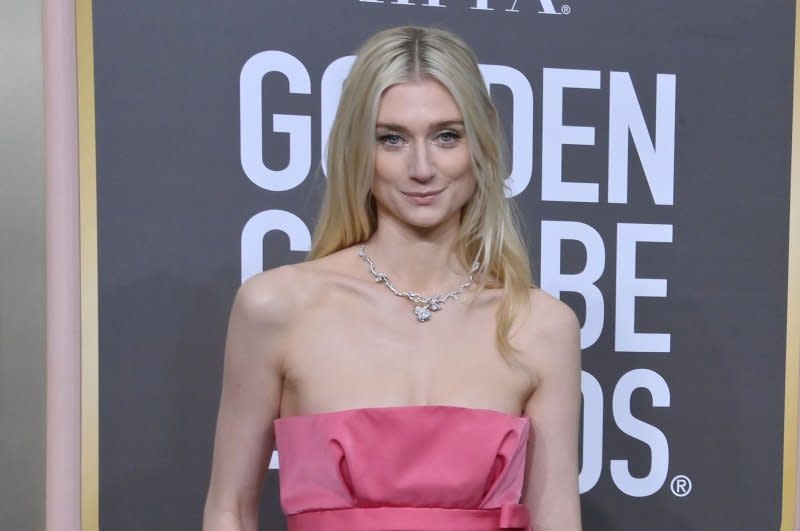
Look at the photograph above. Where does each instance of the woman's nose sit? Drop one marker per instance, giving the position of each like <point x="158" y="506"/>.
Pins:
<point x="421" y="165"/>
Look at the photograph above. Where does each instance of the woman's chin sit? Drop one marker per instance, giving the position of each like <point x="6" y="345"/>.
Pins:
<point x="429" y="221"/>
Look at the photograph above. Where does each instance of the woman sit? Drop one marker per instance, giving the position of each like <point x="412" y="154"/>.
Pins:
<point x="392" y="409"/>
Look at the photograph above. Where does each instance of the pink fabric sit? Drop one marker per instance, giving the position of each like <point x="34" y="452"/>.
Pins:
<point x="441" y="468"/>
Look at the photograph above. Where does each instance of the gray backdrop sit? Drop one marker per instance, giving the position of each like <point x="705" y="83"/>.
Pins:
<point x="23" y="361"/>
<point x="651" y="146"/>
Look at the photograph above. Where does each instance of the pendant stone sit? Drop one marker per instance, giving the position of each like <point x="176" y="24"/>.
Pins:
<point x="423" y="314"/>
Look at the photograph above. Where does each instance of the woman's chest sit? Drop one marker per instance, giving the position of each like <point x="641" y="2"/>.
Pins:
<point x="340" y="363"/>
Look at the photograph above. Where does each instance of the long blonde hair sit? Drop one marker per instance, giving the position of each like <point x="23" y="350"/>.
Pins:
<point x="489" y="229"/>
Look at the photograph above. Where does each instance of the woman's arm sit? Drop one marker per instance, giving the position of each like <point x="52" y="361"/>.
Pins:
<point x="250" y="401"/>
<point x="551" y="482"/>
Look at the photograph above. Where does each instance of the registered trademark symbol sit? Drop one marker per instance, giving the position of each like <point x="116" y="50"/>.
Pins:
<point x="566" y="9"/>
<point x="680" y="485"/>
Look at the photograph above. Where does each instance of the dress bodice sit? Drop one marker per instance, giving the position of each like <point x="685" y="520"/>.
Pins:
<point x="441" y="468"/>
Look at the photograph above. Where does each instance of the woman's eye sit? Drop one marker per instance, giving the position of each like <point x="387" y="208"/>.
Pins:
<point x="449" y="137"/>
<point x="390" y="139"/>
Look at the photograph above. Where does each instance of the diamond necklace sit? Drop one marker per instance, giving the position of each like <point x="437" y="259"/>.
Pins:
<point x="423" y="306"/>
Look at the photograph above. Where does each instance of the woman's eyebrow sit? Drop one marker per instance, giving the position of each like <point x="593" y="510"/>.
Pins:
<point x="448" y="123"/>
<point x="393" y="127"/>
<point x="437" y="125"/>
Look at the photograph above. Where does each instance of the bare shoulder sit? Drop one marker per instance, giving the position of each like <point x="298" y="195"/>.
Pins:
<point x="276" y="296"/>
<point x="549" y="333"/>
<point x="268" y="298"/>
<point x="551" y="317"/>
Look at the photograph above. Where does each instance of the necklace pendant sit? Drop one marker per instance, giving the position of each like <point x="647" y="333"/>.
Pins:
<point x="423" y="314"/>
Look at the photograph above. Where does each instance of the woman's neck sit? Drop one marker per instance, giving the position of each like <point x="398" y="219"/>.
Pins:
<point x="419" y="261"/>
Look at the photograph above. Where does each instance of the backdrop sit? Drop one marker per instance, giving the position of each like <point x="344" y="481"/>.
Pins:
<point x="651" y="153"/>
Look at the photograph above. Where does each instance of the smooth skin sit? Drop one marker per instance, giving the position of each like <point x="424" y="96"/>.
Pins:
<point x="322" y="336"/>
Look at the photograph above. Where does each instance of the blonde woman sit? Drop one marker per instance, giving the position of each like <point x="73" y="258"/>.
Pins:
<point x="409" y="373"/>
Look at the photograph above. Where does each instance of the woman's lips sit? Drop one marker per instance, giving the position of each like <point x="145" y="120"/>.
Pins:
<point x="422" y="198"/>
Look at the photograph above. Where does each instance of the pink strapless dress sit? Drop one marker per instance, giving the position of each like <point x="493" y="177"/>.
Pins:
<point x="401" y="468"/>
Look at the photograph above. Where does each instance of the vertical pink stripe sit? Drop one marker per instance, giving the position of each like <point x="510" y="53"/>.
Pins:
<point x="63" y="486"/>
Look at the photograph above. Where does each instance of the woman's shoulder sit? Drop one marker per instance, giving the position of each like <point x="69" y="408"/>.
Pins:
<point x="549" y="314"/>
<point x="267" y="297"/>
<point x="544" y="312"/>
<point x="548" y="332"/>
<point x="278" y="294"/>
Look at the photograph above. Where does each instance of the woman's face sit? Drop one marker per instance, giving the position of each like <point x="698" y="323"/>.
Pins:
<point x="423" y="171"/>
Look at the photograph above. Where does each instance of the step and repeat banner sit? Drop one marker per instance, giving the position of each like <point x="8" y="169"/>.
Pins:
<point x="650" y="146"/>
